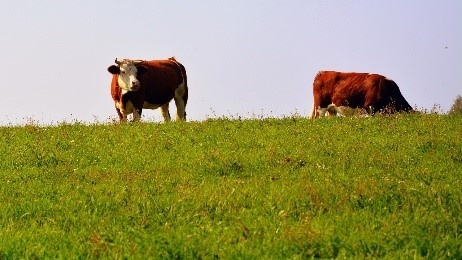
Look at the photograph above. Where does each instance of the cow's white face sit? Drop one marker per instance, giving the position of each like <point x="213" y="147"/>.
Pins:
<point x="127" y="75"/>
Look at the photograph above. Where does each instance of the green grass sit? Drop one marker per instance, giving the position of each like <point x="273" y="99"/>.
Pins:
<point x="385" y="186"/>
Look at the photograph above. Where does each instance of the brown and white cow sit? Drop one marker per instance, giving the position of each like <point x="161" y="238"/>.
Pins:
<point x="138" y="84"/>
<point x="372" y="92"/>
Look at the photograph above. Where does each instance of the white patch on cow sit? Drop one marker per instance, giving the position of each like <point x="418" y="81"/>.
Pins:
<point x="322" y="112"/>
<point x="179" y="102"/>
<point x="127" y="77"/>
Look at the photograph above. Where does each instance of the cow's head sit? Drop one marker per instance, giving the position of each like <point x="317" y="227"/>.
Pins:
<point x="127" y="71"/>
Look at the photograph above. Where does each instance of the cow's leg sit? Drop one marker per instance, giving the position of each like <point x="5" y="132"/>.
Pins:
<point x="181" y="98"/>
<point x="136" y="114"/>
<point x="165" y="113"/>
<point x="317" y="106"/>
<point x="122" y="116"/>
<point x="312" y="112"/>
<point x="180" y="109"/>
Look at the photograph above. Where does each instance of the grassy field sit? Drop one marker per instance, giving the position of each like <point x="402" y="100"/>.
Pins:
<point x="385" y="186"/>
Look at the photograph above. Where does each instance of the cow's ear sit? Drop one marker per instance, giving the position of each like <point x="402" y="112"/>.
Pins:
<point x="141" y="69"/>
<point x="113" y="69"/>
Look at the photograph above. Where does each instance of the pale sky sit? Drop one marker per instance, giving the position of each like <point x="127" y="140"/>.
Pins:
<point x="243" y="58"/>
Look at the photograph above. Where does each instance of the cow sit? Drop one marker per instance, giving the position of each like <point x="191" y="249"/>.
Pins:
<point x="372" y="92"/>
<point x="138" y="84"/>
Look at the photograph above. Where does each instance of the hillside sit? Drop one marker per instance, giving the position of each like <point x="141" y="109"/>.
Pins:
<point x="385" y="186"/>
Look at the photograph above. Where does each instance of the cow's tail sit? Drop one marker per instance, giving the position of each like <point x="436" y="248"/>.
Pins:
<point x="184" y="82"/>
<point x="185" y="79"/>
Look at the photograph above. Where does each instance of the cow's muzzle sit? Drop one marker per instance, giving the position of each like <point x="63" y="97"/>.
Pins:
<point x="135" y="86"/>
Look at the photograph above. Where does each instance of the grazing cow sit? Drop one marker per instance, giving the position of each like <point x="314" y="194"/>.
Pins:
<point x="138" y="84"/>
<point x="372" y="92"/>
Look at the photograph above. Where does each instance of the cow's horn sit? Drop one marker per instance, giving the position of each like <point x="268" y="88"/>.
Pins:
<point x="117" y="62"/>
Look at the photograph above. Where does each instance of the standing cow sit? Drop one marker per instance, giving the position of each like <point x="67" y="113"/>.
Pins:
<point x="138" y="84"/>
<point x="372" y="92"/>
